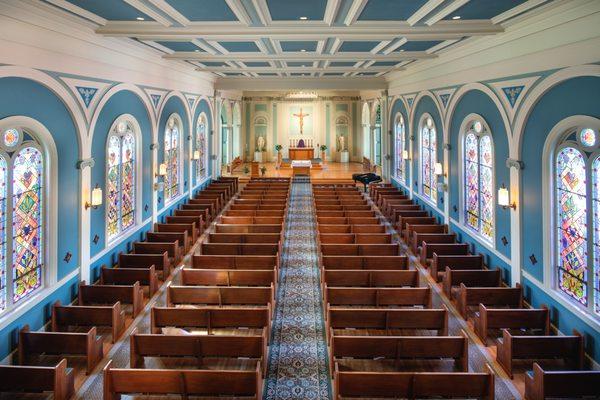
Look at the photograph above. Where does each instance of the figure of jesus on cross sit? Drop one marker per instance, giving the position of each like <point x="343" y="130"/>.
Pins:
<point x="301" y="117"/>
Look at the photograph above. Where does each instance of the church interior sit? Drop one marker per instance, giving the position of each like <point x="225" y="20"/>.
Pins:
<point x="312" y="200"/>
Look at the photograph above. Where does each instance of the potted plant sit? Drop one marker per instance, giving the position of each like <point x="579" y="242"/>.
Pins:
<point x="246" y="170"/>
<point x="263" y="170"/>
<point x="323" y="148"/>
<point x="278" y="148"/>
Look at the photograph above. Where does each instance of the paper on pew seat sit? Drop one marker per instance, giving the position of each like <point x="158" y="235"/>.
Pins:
<point x="175" y="331"/>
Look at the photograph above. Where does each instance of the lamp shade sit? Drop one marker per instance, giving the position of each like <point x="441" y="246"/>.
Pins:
<point x="503" y="197"/>
<point x="162" y="169"/>
<point x="196" y="155"/>
<point x="438" y="169"/>
<point x="96" y="197"/>
<point x="405" y="154"/>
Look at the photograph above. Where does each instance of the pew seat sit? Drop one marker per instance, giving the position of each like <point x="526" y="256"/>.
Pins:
<point x="370" y="278"/>
<point x="345" y="262"/>
<point x="377" y="297"/>
<point x="88" y="295"/>
<point x="58" y="380"/>
<point x="67" y="317"/>
<point x="524" y="319"/>
<point x="540" y="384"/>
<point x="228" y="277"/>
<point x="129" y="276"/>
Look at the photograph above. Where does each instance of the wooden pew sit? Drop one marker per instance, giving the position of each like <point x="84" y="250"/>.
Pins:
<point x="145" y="261"/>
<point x="569" y="348"/>
<point x="251" y="220"/>
<point x="65" y="316"/>
<point x="377" y="297"/>
<point x="222" y="228"/>
<point x="129" y="276"/>
<point x="497" y="297"/>
<point x="183" y="382"/>
<point x="252" y="249"/>
<point x="87" y="344"/>
<point x="399" y="213"/>
<point x="189" y="228"/>
<point x="220" y="295"/>
<point x="348" y="220"/>
<point x="431" y="238"/>
<point x="370" y="278"/>
<point x="365" y="262"/>
<point x="211" y="318"/>
<point x="470" y="278"/>
<point x="172" y="249"/>
<point x="196" y="346"/>
<point x="422" y="228"/>
<point x="110" y="294"/>
<point x="404" y="221"/>
<point x="180" y="237"/>
<point x="355" y="238"/>
<point x="208" y="209"/>
<point x="400" y="348"/>
<point x="361" y="249"/>
<point x="540" y="384"/>
<point x="228" y="277"/>
<point x="201" y="213"/>
<point x="439" y="263"/>
<point x="196" y="221"/>
<point x="351" y="228"/>
<point x="501" y="318"/>
<point x="26" y="379"/>
<point x="254" y="213"/>
<point x="414" y="385"/>
<point x="244" y="238"/>
<point x="235" y="262"/>
<point x="458" y="249"/>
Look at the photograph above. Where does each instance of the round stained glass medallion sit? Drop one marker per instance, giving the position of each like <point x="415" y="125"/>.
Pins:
<point x="478" y="127"/>
<point x="11" y="137"/>
<point x="429" y="123"/>
<point x="588" y="137"/>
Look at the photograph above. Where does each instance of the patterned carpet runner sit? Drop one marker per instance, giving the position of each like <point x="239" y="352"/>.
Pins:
<point x="298" y="366"/>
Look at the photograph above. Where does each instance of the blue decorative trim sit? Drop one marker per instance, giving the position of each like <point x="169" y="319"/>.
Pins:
<point x="155" y="99"/>
<point x="87" y="94"/>
<point x="445" y="97"/>
<point x="512" y="93"/>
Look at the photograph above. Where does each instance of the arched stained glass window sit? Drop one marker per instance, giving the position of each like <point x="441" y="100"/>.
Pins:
<point x="577" y="218"/>
<point x="400" y="148"/>
<point x="201" y="156"/>
<point x="22" y="217"/>
<point x="428" y="158"/>
<point x="172" y="158"/>
<point x="120" y="177"/>
<point x="478" y="185"/>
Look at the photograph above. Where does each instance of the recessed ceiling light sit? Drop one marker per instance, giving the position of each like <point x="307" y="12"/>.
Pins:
<point x="303" y="18"/>
<point x="196" y="50"/>
<point x="140" y="18"/>
<point x="303" y="50"/>
<point x="456" y="17"/>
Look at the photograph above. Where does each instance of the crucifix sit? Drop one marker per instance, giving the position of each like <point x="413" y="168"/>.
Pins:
<point x="301" y="117"/>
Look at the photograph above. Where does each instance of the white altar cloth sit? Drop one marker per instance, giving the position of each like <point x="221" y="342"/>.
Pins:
<point x="301" y="163"/>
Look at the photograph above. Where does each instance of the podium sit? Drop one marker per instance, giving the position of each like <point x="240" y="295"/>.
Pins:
<point x="254" y="169"/>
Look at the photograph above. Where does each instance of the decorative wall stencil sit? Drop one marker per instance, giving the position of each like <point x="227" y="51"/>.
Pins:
<point x="533" y="259"/>
<point x="87" y="93"/>
<point x="96" y="239"/>
<point x="191" y="99"/>
<point x="504" y="240"/>
<point x="68" y="257"/>
<point x="443" y="97"/>
<point x="410" y="99"/>
<point x="156" y="97"/>
<point x="512" y="92"/>
<point x="146" y="207"/>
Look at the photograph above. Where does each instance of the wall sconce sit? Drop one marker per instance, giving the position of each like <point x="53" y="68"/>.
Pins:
<point x="405" y="155"/>
<point x="96" y="198"/>
<point x="162" y="170"/>
<point x="196" y="155"/>
<point x="504" y="199"/>
<point x="438" y="169"/>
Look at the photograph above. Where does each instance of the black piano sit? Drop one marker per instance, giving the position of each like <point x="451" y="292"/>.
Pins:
<point x="366" y="178"/>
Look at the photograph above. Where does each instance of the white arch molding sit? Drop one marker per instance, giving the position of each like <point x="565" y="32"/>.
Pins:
<point x="418" y="98"/>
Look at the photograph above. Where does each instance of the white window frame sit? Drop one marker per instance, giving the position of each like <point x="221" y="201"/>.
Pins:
<point x="399" y="156"/>
<point x="204" y="161"/>
<point x="428" y="199"/>
<point x="177" y="121"/>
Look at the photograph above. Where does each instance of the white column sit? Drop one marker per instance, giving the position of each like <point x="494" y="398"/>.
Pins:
<point x="515" y="226"/>
<point x="85" y="178"/>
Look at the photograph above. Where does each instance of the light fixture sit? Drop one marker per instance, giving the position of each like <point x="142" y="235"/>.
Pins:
<point x="96" y="198"/>
<point x="196" y="155"/>
<point x="504" y="198"/>
<point x="303" y="18"/>
<point x="162" y="170"/>
<point x="405" y="154"/>
<point x="140" y="18"/>
<point x="456" y="17"/>
<point x="303" y="50"/>
<point x="438" y="169"/>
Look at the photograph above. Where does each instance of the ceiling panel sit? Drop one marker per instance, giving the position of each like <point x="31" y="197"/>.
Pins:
<point x="419" y="45"/>
<point x="116" y="10"/>
<point x="298" y="45"/>
<point x="293" y="10"/>
<point x="203" y="10"/>
<point x="384" y="63"/>
<point x="484" y="9"/>
<point x="391" y="10"/>
<point x="180" y="46"/>
<point x="358" y="46"/>
<point x="240" y="47"/>
<point x="255" y="64"/>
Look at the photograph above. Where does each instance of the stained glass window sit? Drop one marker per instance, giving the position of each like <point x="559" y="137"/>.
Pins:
<point x="478" y="180"/>
<point x="172" y="159"/>
<point x="120" y="179"/>
<point x="3" y="220"/>
<point x="201" y="149"/>
<point x="27" y="226"/>
<point x="400" y="147"/>
<point x="428" y="159"/>
<point x="596" y="242"/>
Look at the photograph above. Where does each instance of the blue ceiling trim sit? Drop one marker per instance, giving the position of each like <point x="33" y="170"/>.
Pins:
<point x="180" y="46"/>
<point x="292" y="10"/>
<point x="237" y="47"/>
<point x="257" y="63"/>
<point x="298" y="74"/>
<point x="333" y="74"/>
<point x="391" y="10"/>
<point x="155" y="99"/>
<point x="234" y="74"/>
<point x="445" y="97"/>
<point x="300" y="64"/>
<point x="342" y="64"/>
<point x="298" y="45"/>
<point x="358" y="46"/>
<point x="484" y="9"/>
<point x="214" y="63"/>
<point x="384" y="63"/>
<point x="114" y="10"/>
<point x="204" y="10"/>
<point x="419" y="45"/>
<point x="87" y="94"/>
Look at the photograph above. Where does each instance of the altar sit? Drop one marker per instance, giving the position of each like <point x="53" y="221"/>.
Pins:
<point x="301" y="153"/>
<point x="301" y="167"/>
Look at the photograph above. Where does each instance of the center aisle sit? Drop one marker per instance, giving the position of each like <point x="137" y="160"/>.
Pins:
<point x="298" y="366"/>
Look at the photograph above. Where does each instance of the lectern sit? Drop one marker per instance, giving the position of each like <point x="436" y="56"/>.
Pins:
<point x="254" y="170"/>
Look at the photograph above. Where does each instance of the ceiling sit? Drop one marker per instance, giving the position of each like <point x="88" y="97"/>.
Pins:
<point x="298" y="38"/>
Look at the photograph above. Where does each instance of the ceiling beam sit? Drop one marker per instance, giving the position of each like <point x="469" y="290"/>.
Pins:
<point x="240" y="12"/>
<point x="443" y="30"/>
<point x="170" y="11"/>
<point x="423" y="11"/>
<point x="306" y="70"/>
<point x="331" y="11"/>
<point x="297" y="56"/>
<point x="262" y="9"/>
<point x="355" y="10"/>
<point x="149" y="11"/>
<point x="444" y="12"/>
